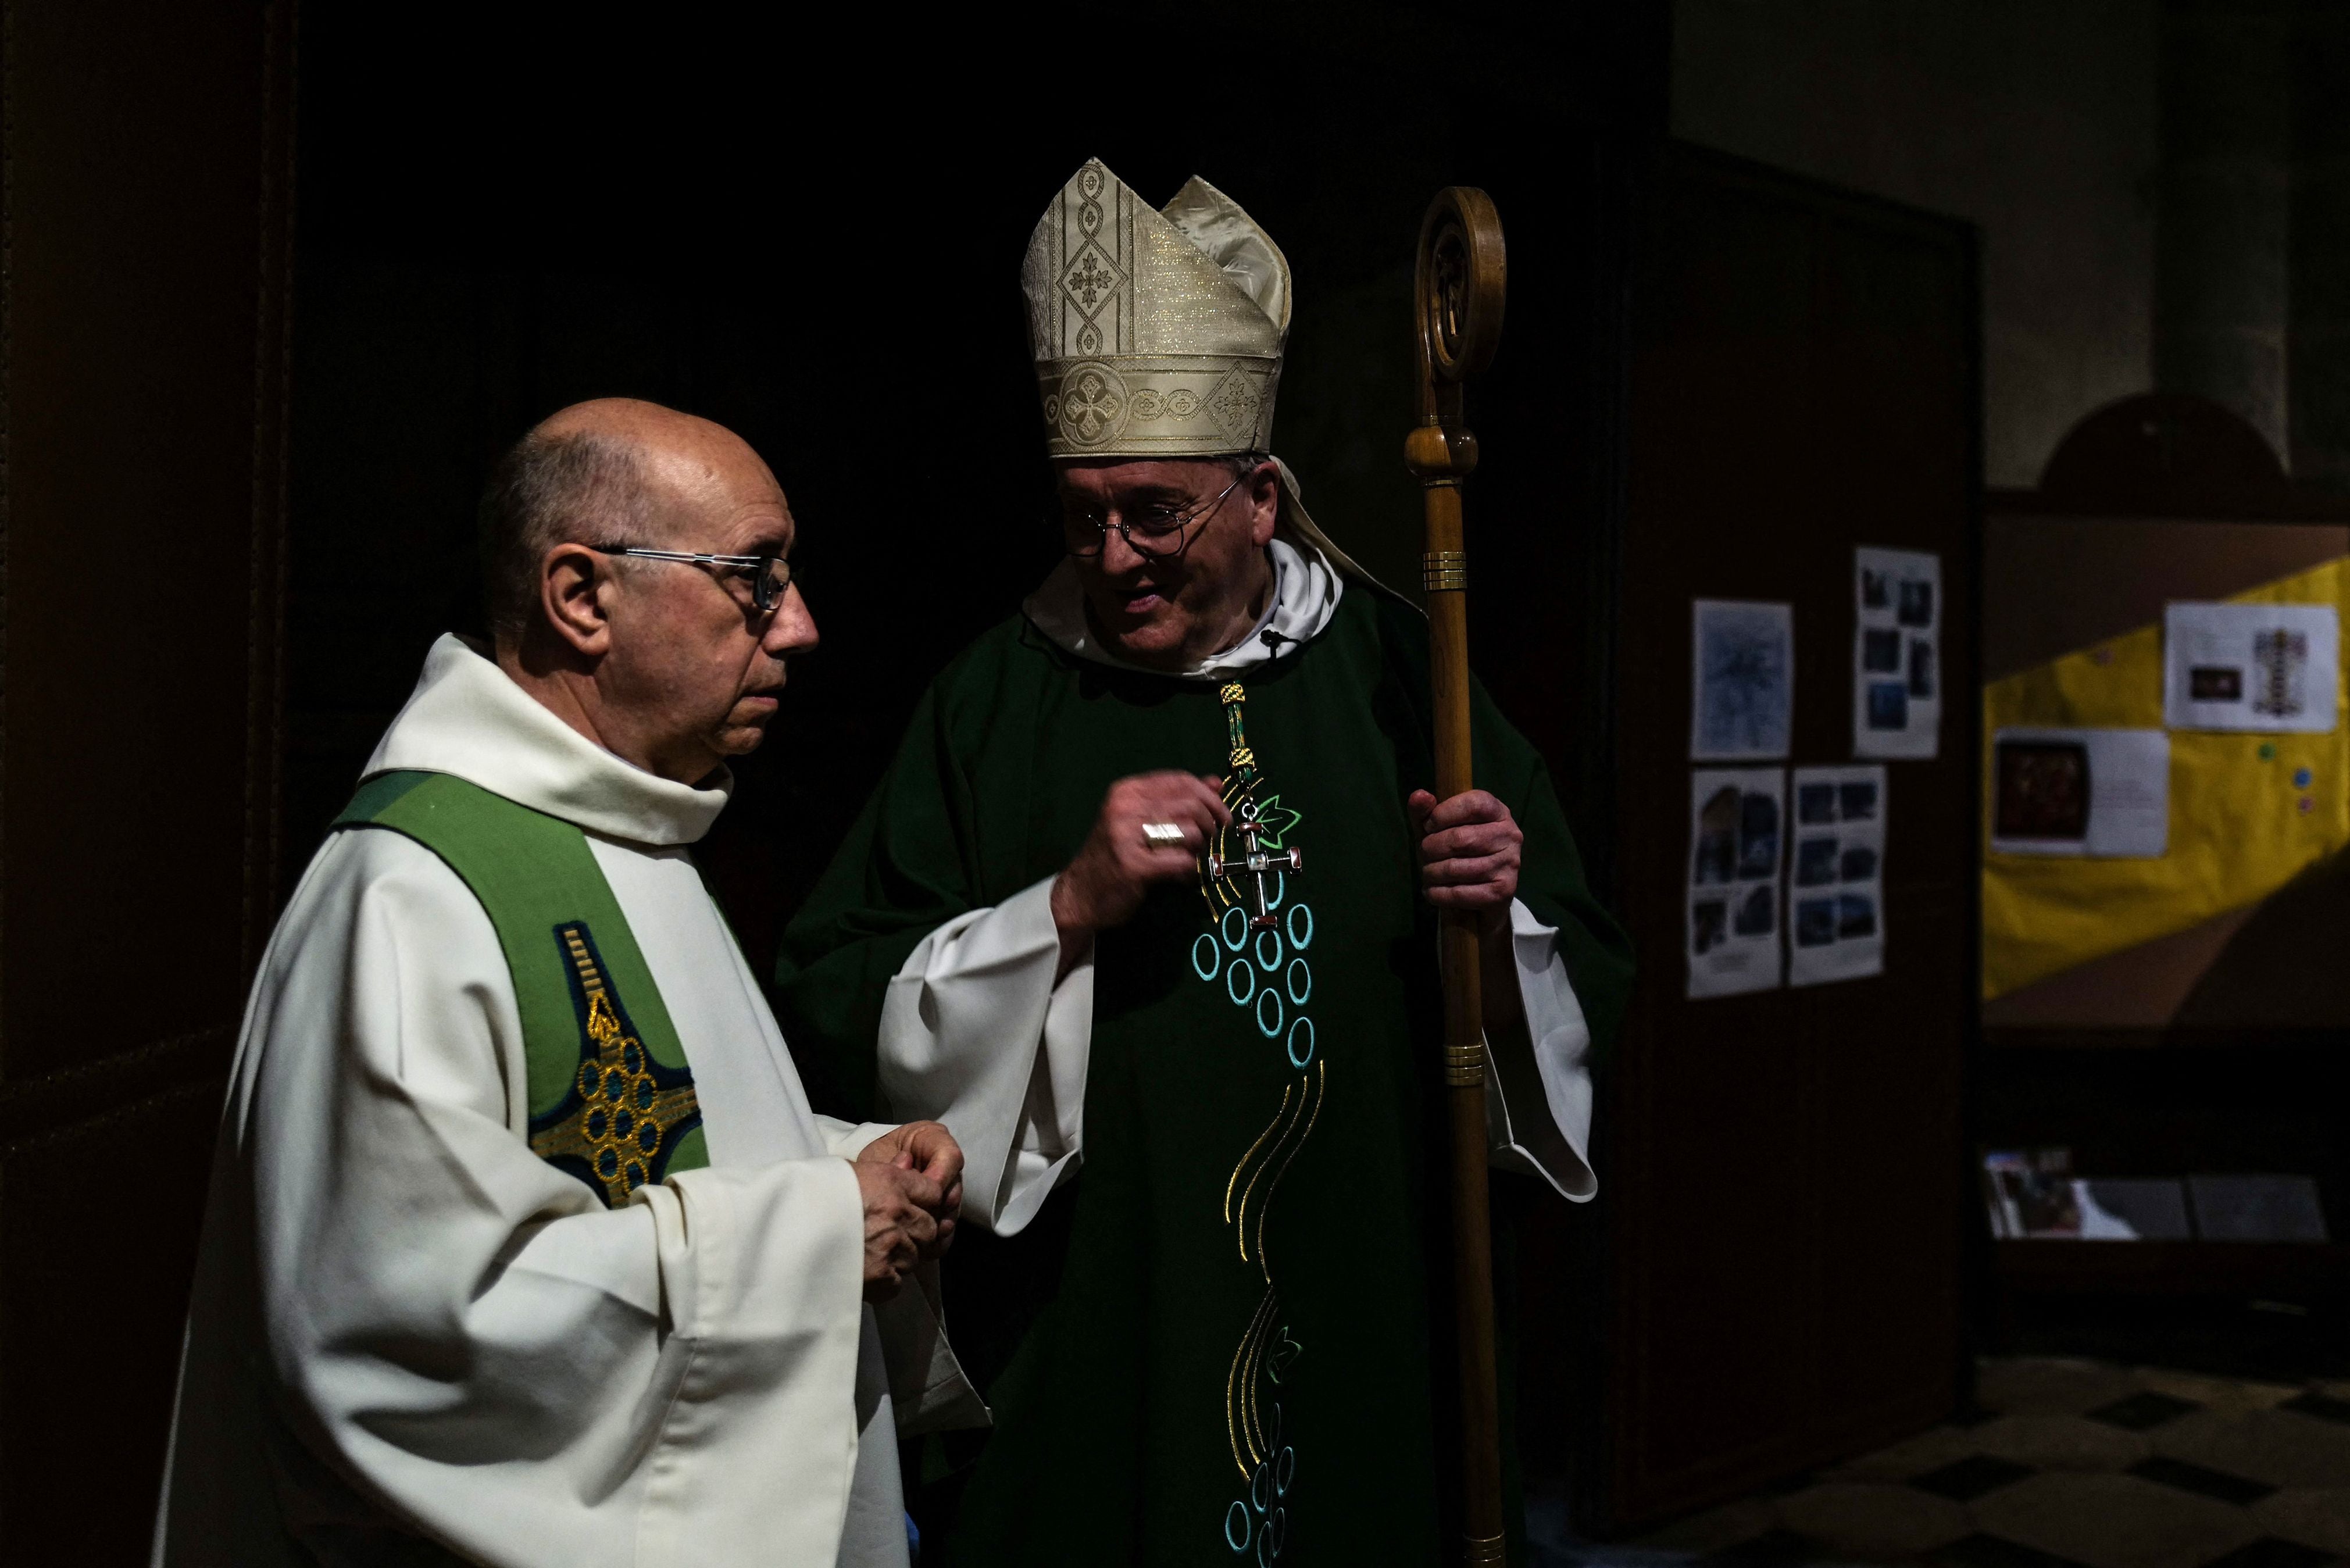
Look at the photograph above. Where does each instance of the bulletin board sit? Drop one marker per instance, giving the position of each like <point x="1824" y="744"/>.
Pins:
<point x="2227" y="909"/>
<point x="1783" y="1160"/>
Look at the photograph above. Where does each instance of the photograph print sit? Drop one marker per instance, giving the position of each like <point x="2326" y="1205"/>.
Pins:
<point x="1743" y="701"/>
<point x="1897" y="678"/>
<point x="1737" y="835"/>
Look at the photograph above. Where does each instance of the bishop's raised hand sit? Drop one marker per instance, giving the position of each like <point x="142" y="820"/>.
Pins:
<point x="1151" y="829"/>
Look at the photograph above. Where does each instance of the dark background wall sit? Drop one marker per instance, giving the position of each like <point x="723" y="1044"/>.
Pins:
<point x="814" y="239"/>
<point x="145" y="151"/>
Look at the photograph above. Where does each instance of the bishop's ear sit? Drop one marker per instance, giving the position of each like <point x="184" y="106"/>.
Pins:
<point x="574" y="584"/>
<point x="1265" y="496"/>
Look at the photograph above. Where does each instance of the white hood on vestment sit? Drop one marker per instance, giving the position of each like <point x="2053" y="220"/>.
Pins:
<point x="466" y="717"/>
<point x="1305" y="594"/>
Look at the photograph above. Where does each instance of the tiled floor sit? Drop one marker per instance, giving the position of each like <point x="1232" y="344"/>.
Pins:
<point x="2068" y="1464"/>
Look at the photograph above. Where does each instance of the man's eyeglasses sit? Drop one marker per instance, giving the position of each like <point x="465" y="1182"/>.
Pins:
<point x="770" y="576"/>
<point x="1154" y="532"/>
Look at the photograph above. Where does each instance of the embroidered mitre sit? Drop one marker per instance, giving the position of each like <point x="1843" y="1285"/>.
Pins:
<point x="1155" y="334"/>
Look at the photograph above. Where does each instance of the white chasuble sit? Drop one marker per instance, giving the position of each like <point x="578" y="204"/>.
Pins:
<point x="407" y="1324"/>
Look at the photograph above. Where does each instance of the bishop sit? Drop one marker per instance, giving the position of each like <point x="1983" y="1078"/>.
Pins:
<point x="1197" y="1083"/>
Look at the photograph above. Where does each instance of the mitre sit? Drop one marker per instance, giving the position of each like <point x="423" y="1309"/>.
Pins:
<point x="1159" y="334"/>
<point x="1155" y="334"/>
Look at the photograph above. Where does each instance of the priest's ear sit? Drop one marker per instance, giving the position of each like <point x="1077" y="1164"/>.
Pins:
<point x="1263" y="491"/>
<point x="575" y="586"/>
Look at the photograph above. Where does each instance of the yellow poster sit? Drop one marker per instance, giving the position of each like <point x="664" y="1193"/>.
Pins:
<point x="2248" y="812"/>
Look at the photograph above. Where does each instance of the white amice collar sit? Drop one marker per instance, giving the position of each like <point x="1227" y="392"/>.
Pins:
<point x="1305" y="593"/>
<point x="467" y="719"/>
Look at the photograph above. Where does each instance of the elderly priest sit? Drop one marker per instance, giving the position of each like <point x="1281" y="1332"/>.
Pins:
<point x="1146" y="893"/>
<point x="524" y="1247"/>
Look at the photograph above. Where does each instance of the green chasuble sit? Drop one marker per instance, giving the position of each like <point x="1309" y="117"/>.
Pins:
<point x="1224" y="1340"/>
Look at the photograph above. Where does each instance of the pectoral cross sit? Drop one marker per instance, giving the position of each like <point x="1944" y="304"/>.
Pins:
<point x="1257" y="861"/>
<point x="1262" y="826"/>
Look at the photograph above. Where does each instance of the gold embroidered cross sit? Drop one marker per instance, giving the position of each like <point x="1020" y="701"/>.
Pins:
<point x="618" y="1119"/>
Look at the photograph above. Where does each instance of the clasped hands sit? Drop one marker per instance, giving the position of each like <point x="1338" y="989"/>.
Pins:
<point x="1469" y="851"/>
<point x="912" y="1180"/>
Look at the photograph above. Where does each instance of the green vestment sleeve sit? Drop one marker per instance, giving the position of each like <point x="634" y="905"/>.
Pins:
<point x="901" y="874"/>
<point x="1550" y="879"/>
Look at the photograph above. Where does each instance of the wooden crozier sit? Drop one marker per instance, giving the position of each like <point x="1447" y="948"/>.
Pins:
<point x="1459" y="284"/>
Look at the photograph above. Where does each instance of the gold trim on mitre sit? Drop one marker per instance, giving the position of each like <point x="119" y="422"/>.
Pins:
<point x="1155" y="334"/>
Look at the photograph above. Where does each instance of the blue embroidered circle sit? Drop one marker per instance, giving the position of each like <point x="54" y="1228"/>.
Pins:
<point x="624" y="1124"/>
<point x="608" y="1163"/>
<point x="1300" y="981"/>
<point x="1280" y="890"/>
<point x="1240" y="982"/>
<point x="595" y="1125"/>
<point x="1206" y="944"/>
<point x="1269" y="1538"/>
<point x="1270" y="1031"/>
<point x="1296" y="1058"/>
<point x="1263" y="962"/>
<point x="1235" y="927"/>
<point x="1284" y="1470"/>
<point x="1306" y="941"/>
<point x="648" y="1137"/>
<point x="1237" y="1526"/>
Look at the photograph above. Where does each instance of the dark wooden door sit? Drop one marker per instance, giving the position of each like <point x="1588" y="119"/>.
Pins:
<point x="1784" y="1174"/>
<point x="142" y="319"/>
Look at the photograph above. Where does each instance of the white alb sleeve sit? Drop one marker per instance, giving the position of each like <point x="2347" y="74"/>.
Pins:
<point x="847" y="1140"/>
<point x="1538" y="1108"/>
<point x="977" y="1033"/>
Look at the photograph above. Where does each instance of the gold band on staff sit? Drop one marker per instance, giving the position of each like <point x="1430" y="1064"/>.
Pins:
<point x="1442" y="571"/>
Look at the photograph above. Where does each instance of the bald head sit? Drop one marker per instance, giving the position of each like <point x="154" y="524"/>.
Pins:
<point x="610" y="472"/>
<point x="664" y="436"/>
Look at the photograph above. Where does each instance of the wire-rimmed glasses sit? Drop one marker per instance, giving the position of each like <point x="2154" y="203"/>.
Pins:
<point x="1155" y="532"/>
<point x="770" y="576"/>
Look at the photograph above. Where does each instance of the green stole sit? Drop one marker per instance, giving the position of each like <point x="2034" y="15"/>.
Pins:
<point x="611" y="1097"/>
